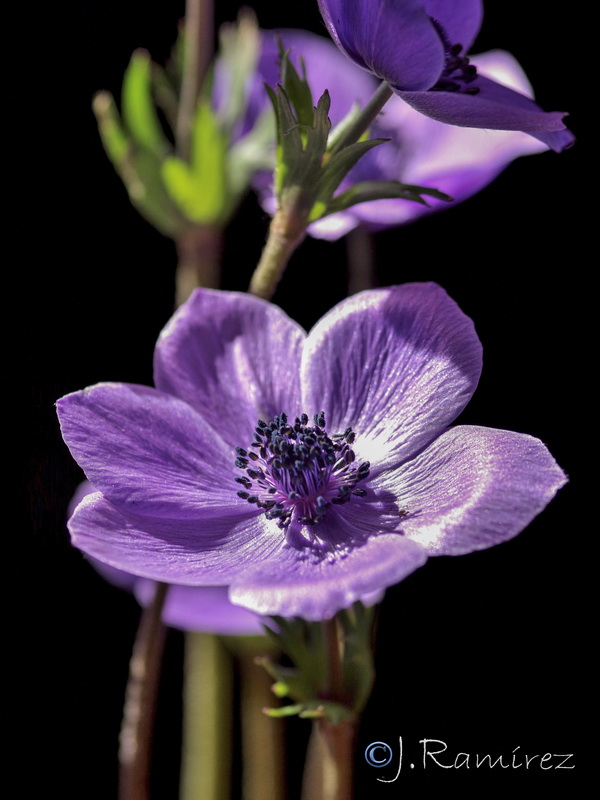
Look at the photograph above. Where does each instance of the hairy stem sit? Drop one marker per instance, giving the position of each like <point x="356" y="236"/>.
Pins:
<point x="365" y="118"/>
<point x="135" y="740"/>
<point x="285" y="234"/>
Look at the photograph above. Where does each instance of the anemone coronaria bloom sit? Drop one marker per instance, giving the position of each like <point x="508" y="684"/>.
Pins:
<point x="459" y="161"/>
<point x="304" y="471"/>
<point x="419" y="47"/>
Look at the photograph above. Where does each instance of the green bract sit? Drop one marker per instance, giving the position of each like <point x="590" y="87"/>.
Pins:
<point x="312" y="160"/>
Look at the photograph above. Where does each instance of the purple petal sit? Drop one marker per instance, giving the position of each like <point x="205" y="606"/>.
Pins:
<point x="473" y="488"/>
<point x="495" y="107"/>
<point x="397" y="365"/>
<point x="292" y="586"/>
<point x="394" y="40"/>
<point x="211" y="552"/>
<point x="202" y="608"/>
<point x="458" y="161"/>
<point x="326" y="69"/>
<point x="232" y="357"/>
<point x="149" y="452"/>
<point x="189" y="608"/>
<point x="460" y="19"/>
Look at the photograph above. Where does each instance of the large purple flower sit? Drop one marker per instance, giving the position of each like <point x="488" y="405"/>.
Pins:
<point x="419" y="47"/>
<point x="222" y="475"/>
<point x="457" y="161"/>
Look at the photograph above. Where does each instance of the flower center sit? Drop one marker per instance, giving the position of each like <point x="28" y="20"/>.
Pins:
<point x="457" y="70"/>
<point x="296" y="472"/>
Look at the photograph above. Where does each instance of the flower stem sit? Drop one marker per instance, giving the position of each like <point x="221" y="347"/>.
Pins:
<point x="329" y="763"/>
<point x="263" y="751"/>
<point x="140" y="701"/>
<point x="199" y="261"/>
<point x="331" y="632"/>
<point x="206" y="756"/>
<point x="362" y="122"/>
<point x="286" y="232"/>
<point x="198" y="51"/>
<point x="361" y="260"/>
<point x="328" y="773"/>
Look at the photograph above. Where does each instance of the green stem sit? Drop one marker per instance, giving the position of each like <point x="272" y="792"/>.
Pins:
<point x="198" y="51"/>
<point x="206" y="755"/>
<point x="199" y="261"/>
<point x="135" y="740"/>
<point x="362" y="122"/>
<point x="286" y="233"/>
<point x="263" y="750"/>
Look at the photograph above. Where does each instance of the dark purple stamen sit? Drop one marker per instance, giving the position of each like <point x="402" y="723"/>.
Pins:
<point x="457" y="69"/>
<point x="299" y="471"/>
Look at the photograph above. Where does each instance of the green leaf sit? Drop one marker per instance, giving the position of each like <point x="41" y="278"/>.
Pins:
<point x="335" y="171"/>
<point x="297" y="89"/>
<point x="199" y="188"/>
<point x="139" y="113"/>
<point x="378" y="190"/>
<point x="284" y="711"/>
<point x="138" y="168"/>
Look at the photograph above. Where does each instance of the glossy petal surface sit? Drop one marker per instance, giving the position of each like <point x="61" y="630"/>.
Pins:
<point x="401" y="365"/>
<point x="147" y="451"/>
<point x="232" y="357"/>
<point x="474" y="488"/>
<point x="173" y="551"/>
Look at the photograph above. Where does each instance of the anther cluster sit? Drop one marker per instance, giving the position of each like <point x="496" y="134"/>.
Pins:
<point x="296" y="471"/>
<point x="457" y="69"/>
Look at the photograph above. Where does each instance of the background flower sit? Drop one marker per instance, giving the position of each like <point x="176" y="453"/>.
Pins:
<point x="458" y="161"/>
<point x="419" y="47"/>
<point x="318" y="520"/>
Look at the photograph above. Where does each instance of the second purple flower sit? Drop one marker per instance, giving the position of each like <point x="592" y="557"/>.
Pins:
<point x="419" y="47"/>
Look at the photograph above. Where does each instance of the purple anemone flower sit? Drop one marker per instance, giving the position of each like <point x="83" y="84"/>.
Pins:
<point x="419" y="47"/>
<point x="420" y="150"/>
<point x="304" y="471"/>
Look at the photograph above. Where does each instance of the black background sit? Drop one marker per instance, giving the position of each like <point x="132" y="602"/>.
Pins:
<point x="486" y="652"/>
